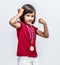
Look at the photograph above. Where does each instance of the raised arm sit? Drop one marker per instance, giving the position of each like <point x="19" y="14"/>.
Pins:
<point x="13" y="22"/>
<point x="44" y="34"/>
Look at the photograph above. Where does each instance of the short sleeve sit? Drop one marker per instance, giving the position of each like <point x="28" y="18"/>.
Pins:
<point x="35" y="28"/>
<point x="20" y="25"/>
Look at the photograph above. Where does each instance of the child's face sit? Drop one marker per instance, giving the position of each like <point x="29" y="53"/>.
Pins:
<point x="29" y="18"/>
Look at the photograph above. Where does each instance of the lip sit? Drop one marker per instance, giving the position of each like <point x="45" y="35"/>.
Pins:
<point x="30" y="21"/>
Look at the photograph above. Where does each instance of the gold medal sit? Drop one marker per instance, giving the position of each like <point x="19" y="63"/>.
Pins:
<point x="31" y="48"/>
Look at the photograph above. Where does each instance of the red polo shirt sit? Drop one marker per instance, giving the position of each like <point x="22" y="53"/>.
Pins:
<point x="24" y="41"/>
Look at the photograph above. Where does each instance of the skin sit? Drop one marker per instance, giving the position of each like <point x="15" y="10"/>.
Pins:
<point x="28" y="18"/>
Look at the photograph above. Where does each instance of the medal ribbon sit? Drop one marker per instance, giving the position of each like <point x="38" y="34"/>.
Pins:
<point x="31" y="33"/>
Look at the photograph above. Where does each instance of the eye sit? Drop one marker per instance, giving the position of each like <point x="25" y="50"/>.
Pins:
<point x="28" y="15"/>
<point x="32" y="16"/>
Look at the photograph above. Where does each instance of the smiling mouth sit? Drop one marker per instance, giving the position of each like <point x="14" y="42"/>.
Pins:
<point x="30" y="21"/>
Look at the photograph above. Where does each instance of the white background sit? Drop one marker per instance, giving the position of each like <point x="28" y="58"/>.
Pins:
<point x="48" y="49"/>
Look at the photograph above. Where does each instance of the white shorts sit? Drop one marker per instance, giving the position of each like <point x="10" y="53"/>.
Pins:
<point x="24" y="60"/>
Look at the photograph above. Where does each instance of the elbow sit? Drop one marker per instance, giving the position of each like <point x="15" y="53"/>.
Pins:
<point x="10" y="22"/>
<point x="46" y="36"/>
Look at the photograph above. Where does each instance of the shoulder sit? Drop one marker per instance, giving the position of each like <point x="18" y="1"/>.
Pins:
<point x="22" y="25"/>
<point x="35" y="28"/>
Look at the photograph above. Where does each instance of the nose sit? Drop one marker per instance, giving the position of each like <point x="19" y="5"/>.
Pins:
<point x="30" y="17"/>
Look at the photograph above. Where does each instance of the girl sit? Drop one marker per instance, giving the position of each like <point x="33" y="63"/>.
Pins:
<point x="26" y="34"/>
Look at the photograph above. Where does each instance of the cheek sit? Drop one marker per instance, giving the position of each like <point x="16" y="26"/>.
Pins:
<point x="33" y="18"/>
<point x="25" y="18"/>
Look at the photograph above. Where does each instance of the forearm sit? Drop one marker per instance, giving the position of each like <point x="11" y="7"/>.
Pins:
<point x="14" y="19"/>
<point x="46" y="33"/>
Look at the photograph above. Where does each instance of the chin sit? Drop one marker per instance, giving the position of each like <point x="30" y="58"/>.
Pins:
<point x="29" y="23"/>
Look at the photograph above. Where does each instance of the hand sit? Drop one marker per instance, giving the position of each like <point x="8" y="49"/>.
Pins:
<point x="20" y="11"/>
<point x="41" y="21"/>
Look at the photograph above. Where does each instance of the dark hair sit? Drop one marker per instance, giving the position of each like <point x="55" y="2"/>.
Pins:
<point x="28" y="9"/>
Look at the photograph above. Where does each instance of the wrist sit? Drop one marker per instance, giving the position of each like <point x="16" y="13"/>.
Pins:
<point x="19" y="14"/>
<point x="45" y="23"/>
